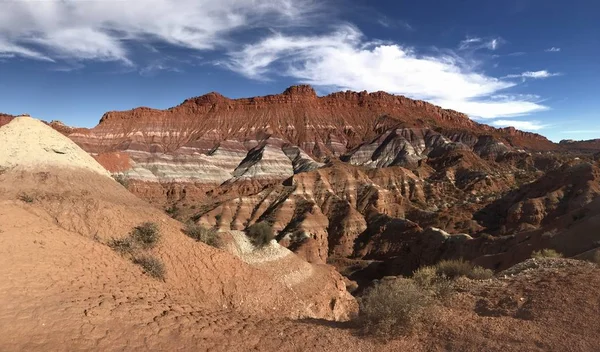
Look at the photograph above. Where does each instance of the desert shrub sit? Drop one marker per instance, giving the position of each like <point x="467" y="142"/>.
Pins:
<point x="173" y="211"/>
<point x="146" y="234"/>
<point x="453" y="269"/>
<point x="392" y="307"/>
<point x="122" y="245"/>
<point x="200" y="233"/>
<point x="546" y="253"/>
<point x="151" y="265"/>
<point x="122" y="179"/>
<point x="425" y="276"/>
<point x="26" y="198"/>
<point x="479" y="273"/>
<point x="260" y="233"/>
<point x="428" y="279"/>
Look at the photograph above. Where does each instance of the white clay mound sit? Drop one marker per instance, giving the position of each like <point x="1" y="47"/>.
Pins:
<point x="28" y="143"/>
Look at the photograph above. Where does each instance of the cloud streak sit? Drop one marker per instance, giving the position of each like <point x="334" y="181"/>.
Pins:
<point x="522" y="125"/>
<point x="534" y="74"/>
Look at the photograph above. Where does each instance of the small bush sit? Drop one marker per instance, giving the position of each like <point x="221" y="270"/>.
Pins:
<point x="202" y="234"/>
<point x="26" y="198"/>
<point x="392" y="307"/>
<point x="453" y="269"/>
<point x="425" y="276"/>
<point x="479" y="273"/>
<point x="151" y="265"/>
<point x="260" y="233"/>
<point x="146" y="234"/>
<point x="546" y="253"/>
<point x="122" y="245"/>
<point x="173" y="211"/>
<point x="428" y="279"/>
<point x="122" y="179"/>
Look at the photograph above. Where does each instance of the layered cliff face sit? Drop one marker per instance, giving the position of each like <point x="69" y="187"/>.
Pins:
<point x="211" y="139"/>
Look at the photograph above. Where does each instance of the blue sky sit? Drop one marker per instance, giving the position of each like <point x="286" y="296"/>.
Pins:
<point x="532" y="64"/>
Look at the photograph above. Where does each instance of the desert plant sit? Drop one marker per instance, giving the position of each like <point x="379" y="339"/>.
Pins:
<point x="173" y="211"/>
<point x="479" y="273"/>
<point x="453" y="269"/>
<point x="428" y="279"/>
<point x="122" y="245"/>
<point x="392" y="307"/>
<point x="200" y="233"/>
<point x="260" y="233"/>
<point x="546" y="253"/>
<point x="151" y="265"/>
<point x="146" y="234"/>
<point x="425" y="276"/>
<point x="26" y="198"/>
<point x="122" y="179"/>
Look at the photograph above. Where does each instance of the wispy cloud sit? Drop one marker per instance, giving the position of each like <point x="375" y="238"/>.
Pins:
<point x="522" y="125"/>
<point x="99" y="30"/>
<point x="394" y="23"/>
<point x="344" y="59"/>
<point x="534" y="74"/>
<point x="476" y="43"/>
<point x="552" y="50"/>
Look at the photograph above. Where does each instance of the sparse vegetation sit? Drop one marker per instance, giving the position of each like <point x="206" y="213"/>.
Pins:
<point x="122" y="179"/>
<point x="479" y="273"/>
<point x="173" y="211"/>
<point x="151" y="265"/>
<point x="26" y="198"/>
<point x="453" y="269"/>
<point x="200" y="233"/>
<point x="260" y="233"/>
<point x="122" y="245"/>
<point x="392" y="307"/>
<point x="546" y="253"/>
<point x="146" y="234"/>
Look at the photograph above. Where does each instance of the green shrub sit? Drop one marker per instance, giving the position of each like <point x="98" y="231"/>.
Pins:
<point x="392" y="307"/>
<point x="173" y="211"/>
<point x="200" y="233"/>
<point x="146" y="234"/>
<point x="151" y="265"/>
<point x="122" y="245"/>
<point x="546" y="253"/>
<point x="122" y="179"/>
<point x="425" y="276"/>
<point x="479" y="273"/>
<point x="453" y="269"/>
<point x="428" y="279"/>
<point x="260" y="233"/>
<point x="26" y="198"/>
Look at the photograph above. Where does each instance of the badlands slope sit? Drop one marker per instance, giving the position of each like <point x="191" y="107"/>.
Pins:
<point x="63" y="288"/>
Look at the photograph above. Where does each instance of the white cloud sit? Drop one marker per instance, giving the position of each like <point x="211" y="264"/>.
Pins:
<point x="534" y="74"/>
<point x="97" y="30"/>
<point x="522" y="125"/>
<point x="552" y="50"/>
<point x="8" y="50"/>
<point x="344" y="60"/>
<point x="476" y="43"/>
